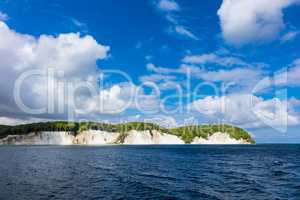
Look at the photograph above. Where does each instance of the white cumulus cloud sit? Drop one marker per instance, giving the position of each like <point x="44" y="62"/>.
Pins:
<point x="72" y="54"/>
<point x="248" y="21"/>
<point x="248" y="110"/>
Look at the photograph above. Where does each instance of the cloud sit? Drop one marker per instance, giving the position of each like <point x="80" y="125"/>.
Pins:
<point x="221" y="58"/>
<point x="68" y="52"/>
<point x="161" y="70"/>
<point x="10" y="121"/>
<point x="148" y="57"/>
<point x="235" y="79"/>
<point x="72" y="54"/>
<point x="293" y="74"/>
<point x="214" y="59"/>
<point x="247" y="110"/>
<point x="250" y="21"/>
<point x="290" y="76"/>
<point x="180" y="30"/>
<point x="234" y="75"/>
<point x="160" y="119"/>
<point x="79" y="25"/>
<point x="156" y="78"/>
<point x="289" y="36"/>
<point x="294" y="102"/>
<point x="161" y="77"/>
<point x="237" y="75"/>
<point x="113" y="100"/>
<point x="171" y="11"/>
<point x="74" y="57"/>
<point x="3" y="16"/>
<point x="238" y="79"/>
<point x="168" y="5"/>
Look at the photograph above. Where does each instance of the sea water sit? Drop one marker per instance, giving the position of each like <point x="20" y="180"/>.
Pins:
<point x="150" y="172"/>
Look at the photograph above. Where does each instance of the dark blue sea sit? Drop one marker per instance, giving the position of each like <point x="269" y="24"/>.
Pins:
<point x="150" y="172"/>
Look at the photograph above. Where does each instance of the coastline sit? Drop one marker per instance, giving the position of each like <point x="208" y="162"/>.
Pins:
<point x="135" y="133"/>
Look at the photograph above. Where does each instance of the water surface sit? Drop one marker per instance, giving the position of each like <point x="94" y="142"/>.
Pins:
<point x="150" y="172"/>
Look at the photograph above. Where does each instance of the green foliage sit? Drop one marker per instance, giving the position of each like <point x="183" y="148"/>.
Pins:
<point x="3" y="130"/>
<point x="187" y="133"/>
<point x="121" y="138"/>
<point x="38" y="127"/>
<point x="121" y="128"/>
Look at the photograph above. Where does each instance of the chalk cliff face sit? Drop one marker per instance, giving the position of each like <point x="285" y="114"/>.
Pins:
<point x="151" y="137"/>
<point x="42" y="138"/>
<point x="218" y="138"/>
<point x="93" y="137"/>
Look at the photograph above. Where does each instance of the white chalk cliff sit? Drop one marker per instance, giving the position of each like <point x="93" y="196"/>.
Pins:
<point x="153" y="137"/>
<point x="218" y="138"/>
<point x="41" y="138"/>
<point x="94" y="137"/>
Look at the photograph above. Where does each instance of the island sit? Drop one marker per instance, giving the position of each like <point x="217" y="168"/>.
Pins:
<point x="131" y="133"/>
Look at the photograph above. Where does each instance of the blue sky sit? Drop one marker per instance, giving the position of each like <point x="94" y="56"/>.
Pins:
<point x="241" y="45"/>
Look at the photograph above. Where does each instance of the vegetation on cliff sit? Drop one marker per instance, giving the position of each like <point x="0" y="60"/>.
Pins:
<point x="186" y="133"/>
